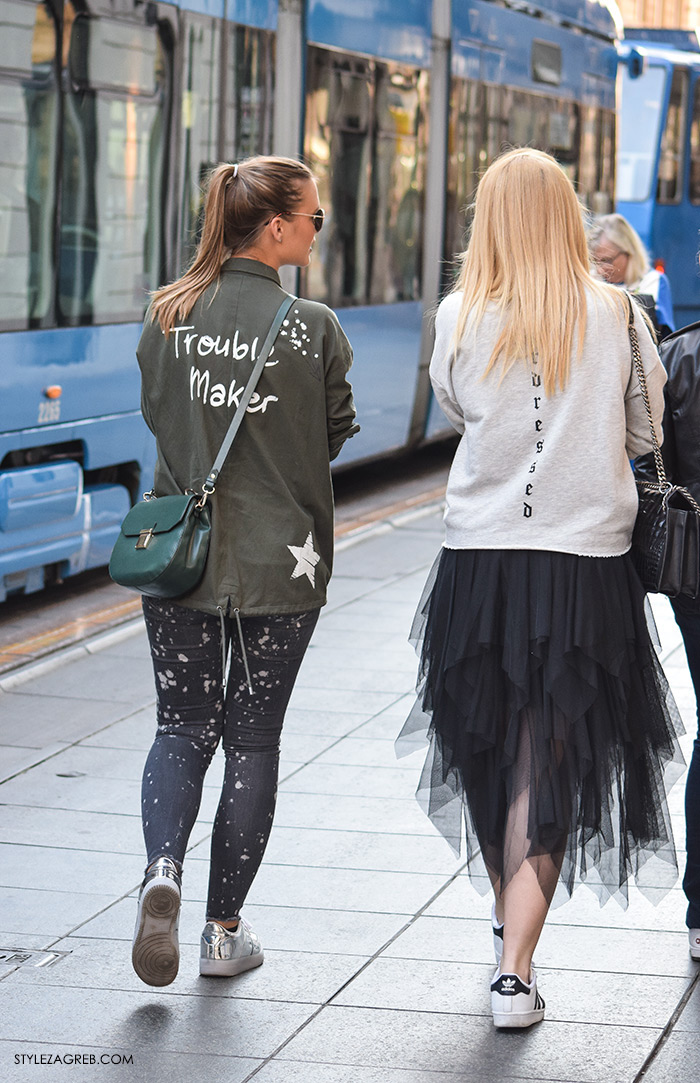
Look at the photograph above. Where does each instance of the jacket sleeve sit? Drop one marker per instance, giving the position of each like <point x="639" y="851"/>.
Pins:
<point x="440" y="369"/>
<point x="681" y="356"/>
<point x="638" y="438"/>
<point x="340" y="407"/>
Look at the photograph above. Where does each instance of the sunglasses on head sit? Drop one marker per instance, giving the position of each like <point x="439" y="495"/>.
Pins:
<point x="318" y="217"/>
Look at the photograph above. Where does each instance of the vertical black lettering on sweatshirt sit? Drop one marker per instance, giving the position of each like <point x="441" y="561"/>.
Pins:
<point x="536" y="404"/>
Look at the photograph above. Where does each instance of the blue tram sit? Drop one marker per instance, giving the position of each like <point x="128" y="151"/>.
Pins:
<point x="113" y="111"/>
<point x="658" y="167"/>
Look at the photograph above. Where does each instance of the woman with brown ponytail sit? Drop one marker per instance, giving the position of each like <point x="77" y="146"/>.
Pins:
<point x="272" y="541"/>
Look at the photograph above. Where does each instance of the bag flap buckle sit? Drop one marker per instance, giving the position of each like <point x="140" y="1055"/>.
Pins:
<point x="144" y="538"/>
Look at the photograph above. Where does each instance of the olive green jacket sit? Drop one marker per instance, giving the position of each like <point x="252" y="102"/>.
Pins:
<point x="272" y="512"/>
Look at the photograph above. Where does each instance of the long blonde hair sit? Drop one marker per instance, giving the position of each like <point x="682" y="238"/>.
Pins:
<point x="527" y="254"/>
<point x="239" y="200"/>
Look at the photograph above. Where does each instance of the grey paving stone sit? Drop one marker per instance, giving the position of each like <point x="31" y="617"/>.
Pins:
<point x="44" y="788"/>
<point x="470" y="1045"/>
<point x="301" y="977"/>
<point x="72" y="830"/>
<point x="344" y="889"/>
<point x="462" y="899"/>
<point x="360" y="850"/>
<point x="678" y="1061"/>
<point x="365" y="751"/>
<point x="625" y="951"/>
<point x="340" y="780"/>
<point x="342" y="680"/>
<point x="322" y="723"/>
<point x="689" y="1020"/>
<point x="48" y="868"/>
<point x="35" y="722"/>
<point x="390" y="814"/>
<point x="280" y="928"/>
<point x="325" y="699"/>
<point x="153" y="1064"/>
<point x="571" y="996"/>
<point x="389" y="555"/>
<point x="276" y="1071"/>
<point x="51" y="914"/>
<point x="302" y="747"/>
<point x="145" y="1020"/>
<point x="97" y="762"/>
<point x="96" y="678"/>
<point x="136" y="731"/>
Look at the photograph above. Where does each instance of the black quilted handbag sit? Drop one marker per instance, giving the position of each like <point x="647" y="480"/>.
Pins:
<point x="666" y="536"/>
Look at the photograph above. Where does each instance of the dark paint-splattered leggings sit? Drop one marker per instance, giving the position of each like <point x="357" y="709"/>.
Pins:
<point x="193" y="716"/>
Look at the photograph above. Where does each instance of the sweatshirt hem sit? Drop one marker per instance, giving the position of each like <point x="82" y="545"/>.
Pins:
<point x="540" y="549"/>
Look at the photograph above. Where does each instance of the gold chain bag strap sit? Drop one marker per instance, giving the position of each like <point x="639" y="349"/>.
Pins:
<point x="666" y="537"/>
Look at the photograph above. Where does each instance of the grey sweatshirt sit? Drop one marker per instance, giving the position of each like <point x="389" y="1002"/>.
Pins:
<point x="533" y="472"/>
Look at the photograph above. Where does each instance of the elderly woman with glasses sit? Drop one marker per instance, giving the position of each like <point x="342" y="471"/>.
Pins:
<point x="621" y="259"/>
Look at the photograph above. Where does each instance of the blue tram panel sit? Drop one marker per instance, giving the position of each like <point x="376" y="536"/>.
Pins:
<point x="658" y="157"/>
<point x="114" y="112"/>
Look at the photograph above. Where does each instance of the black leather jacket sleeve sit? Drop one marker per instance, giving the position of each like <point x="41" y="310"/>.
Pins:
<point x="680" y="353"/>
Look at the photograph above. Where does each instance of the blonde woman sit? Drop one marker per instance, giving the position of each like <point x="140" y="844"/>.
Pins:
<point x="550" y="733"/>
<point x="621" y="259"/>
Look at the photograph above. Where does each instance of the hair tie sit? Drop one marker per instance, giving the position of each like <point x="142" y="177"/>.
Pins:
<point x="235" y="170"/>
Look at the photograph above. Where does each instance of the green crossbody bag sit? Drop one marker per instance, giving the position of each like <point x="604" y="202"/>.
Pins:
<point x="163" y="543"/>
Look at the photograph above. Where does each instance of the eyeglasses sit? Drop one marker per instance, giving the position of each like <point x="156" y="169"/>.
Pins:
<point x="608" y="261"/>
<point x="318" y="217"/>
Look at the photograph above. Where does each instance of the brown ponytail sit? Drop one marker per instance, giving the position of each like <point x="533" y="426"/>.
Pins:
<point x="239" y="202"/>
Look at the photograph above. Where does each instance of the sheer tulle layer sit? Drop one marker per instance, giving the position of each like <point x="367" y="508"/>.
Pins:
<point x="551" y="727"/>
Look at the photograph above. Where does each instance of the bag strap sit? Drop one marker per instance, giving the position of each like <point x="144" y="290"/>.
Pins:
<point x="639" y="367"/>
<point x="663" y="485"/>
<point x="210" y="484"/>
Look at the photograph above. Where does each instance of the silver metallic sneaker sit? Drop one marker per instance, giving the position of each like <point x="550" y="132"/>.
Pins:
<point x="225" y="953"/>
<point x="155" y="954"/>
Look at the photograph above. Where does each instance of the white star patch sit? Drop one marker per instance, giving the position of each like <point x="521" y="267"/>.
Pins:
<point x="307" y="559"/>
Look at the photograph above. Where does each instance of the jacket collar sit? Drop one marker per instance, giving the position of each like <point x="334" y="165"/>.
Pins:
<point x="251" y="267"/>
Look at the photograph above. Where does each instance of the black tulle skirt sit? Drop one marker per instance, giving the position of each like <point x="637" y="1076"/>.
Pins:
<point x="552" y="731"/>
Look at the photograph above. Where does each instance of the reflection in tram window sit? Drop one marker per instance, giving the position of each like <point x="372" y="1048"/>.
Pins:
<point x="28" y="129"/>
<point x="365" y="140"/>
<point x="671" y="152"/>
<point x="485" y="120"/>
<point x="241" y="128"/>
<point x="113" y="167"/>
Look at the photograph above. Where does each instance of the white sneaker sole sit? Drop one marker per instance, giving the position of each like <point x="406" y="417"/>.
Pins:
<point x="155" y="955"/>
<point x="504" y="1020"/>
<point x="228" y="968"/>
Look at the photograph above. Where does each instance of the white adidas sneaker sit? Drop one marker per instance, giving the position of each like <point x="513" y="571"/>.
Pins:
<point x="515" y="1004"/>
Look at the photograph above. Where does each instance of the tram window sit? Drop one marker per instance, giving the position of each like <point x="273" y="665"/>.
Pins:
<point x="28" y="136"/>
<point x="595" y="181"/>
<point x="694" y="191"/>
<point x="671" y="152"/>
<point x="465" y="148"/>
<point x="365" y="140"/>
<point x="250" y="80"/>
<point x="114" y="155"/>
<point x="638" y="132"/>
<point x="199" y="147"/>
<point x="396" y="209"/>
<point x="545" y="62"/>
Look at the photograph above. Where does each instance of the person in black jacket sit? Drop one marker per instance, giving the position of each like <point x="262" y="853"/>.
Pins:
<point x="271" y="548"/>
<point x="680" y="353"/>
